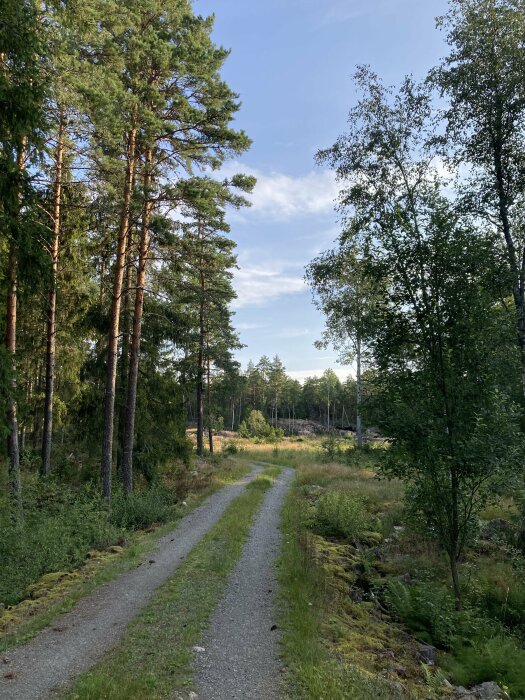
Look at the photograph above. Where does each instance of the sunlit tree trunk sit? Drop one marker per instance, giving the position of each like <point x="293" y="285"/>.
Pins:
<point x="210" y="427"/>
<point x="113" y="335"/>
<point x="359" y="429"/>
<point x="15" y="482"/>
<point x="125" y="349"/>
<point x="134" y="353"/>
<point x="200" y="359"/>
<point x="47" y="438"/>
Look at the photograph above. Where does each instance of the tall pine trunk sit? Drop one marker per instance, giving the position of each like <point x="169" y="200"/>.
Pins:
<point x="200" y="385"/>
<point x="125" y="350"/>
<point x="359" y="429"/>
<point x="134" y="351"/>
<point x="15" y="482"/>
<point x="200" y="358"/>
<point x="210" y="427"/>
<point x="52" y="304"/>
<point x="113" y="334"/>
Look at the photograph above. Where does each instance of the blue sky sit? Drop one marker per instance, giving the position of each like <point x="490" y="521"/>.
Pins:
<point x="292" y="63"/>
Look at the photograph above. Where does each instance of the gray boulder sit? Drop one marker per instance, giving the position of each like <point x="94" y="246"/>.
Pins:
<point x="427" y="654"/>
<point x="485" y="691"/>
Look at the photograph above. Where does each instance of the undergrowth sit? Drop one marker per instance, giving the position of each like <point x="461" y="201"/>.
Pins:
<point x="365" y="590"/>
<point x="63" y="523"/>
<point x="154" y="659"/>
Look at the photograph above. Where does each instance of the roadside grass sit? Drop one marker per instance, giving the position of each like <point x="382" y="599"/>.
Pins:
<point x="57" y="592"/>
<point x="316" y="671"/>
<point x="363" y="590"/>
<point x="154" y="660"/>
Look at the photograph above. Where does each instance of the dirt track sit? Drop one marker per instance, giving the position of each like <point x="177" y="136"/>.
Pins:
<point x="77" y="640"/>
<point x="241" y="657"/>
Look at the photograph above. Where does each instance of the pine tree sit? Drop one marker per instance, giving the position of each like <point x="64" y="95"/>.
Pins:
<point x="21" y="118"/>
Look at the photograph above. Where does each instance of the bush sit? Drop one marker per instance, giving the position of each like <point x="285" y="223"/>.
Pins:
<point x="340" y="515"/>
<point x="141" y="508"/>
<point x="61" y="525"/>
<point x="426" y="608"/>
<point x="230" y="447"/>
<point x="331" y="448"/>
<point x="257" y="428"/>
<point x="497" y="659"/>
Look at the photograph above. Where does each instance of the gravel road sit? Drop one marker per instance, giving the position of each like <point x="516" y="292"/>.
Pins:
<point x="241" y="649"/>
<point x="77" y="640"/>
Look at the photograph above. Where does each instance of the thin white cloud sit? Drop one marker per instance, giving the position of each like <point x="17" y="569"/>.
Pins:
<point x="249" y="326"/>
<point x="258" y="285"/>
<point x="295" y="333"/>
<point x="280" y="196"/>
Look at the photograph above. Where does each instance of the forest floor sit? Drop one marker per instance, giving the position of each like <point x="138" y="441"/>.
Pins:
<point x="302" y="580"/>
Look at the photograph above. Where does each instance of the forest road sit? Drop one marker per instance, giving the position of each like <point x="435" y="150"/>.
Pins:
<point x="76" y="641"/>
<point x="241" y="648"/>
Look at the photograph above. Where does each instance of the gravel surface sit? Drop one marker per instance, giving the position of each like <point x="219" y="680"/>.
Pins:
<point x="241" y="649"/>
<point x="77" y="640"/>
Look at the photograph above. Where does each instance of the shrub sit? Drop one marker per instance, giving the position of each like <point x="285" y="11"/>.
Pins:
<point x="497" y="659"/>
<point x="340" y="514"/>
<point x="426" y="608"/>
<point x="255" y="425"/>
<point x="230" y="447"/>
<point x="141" y="508"/>
<point x="257" y="428"/>
<point x="331" y="448"/>
<point x="61" y="525"/>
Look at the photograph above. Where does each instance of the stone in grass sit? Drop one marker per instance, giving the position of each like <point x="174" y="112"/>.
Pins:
<point x="485" y="691"/>
<point x="499" y="528"/>
<point x="427" y="654"/>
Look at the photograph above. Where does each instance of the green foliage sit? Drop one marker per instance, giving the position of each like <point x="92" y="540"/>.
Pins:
<point x="498" y="592"/>
<point x="141" y="509"/>
<point x="257" y="427"/>
<point x="492" y="658"/>
<point x="61" y="525"/>
<point x="331" y="448"/>
<point x="340" y="514"/>
<point x="428" y="609"/>
<point x="230" y="447"/>
<point x="479" y="649"/>
<point x="437" y="391"/>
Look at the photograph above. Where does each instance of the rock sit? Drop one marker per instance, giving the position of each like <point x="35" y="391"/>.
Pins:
<point x="499" y="528"/>
<point x="356" y="595"/>
<point x="199" y="650"/>
<point x="427" y="654"/>
<point x="485" y="691"/>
